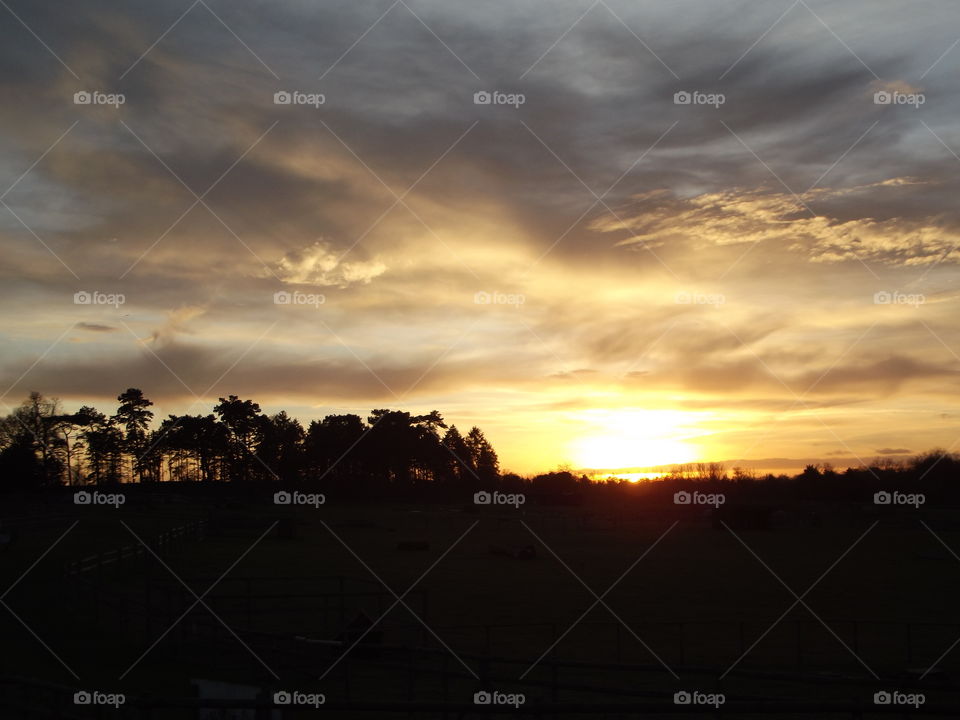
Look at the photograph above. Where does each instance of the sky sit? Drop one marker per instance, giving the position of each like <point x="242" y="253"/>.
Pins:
<point x="612" y="234"/>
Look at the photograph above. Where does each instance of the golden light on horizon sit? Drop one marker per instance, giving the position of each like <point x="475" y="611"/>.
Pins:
<point x="635" y="438"/>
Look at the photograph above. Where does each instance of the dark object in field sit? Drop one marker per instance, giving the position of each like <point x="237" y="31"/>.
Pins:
<point x="7" y="537"/>
<point x="358" y="632"/>
<point x="764" y="517"/>
<point x="566" y="498"/>
<point x="744" y="517"/>
<point x="923" y="677"/>
<point x="221" y="690"/>
<point x="229" y="524"/>
<point x="519" y="552"/>
<point x="287" y="529"/>
<point x="413" y="545"/>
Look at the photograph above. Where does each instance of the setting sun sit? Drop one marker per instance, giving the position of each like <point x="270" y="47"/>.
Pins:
<point x="635" y="438"/>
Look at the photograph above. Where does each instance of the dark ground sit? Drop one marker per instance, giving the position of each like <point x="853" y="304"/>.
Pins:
<point x="494" y="589"/>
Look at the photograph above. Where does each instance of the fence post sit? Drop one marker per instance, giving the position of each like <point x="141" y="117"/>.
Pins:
<point x="346" y="678"/>
<point x="147" y="603"/>
<point x="683" y="636"/>
<point x="412" y="676"/>
<point x="423" y="616"/>
<point x="799" y="644"/>
<point x="445" y="680"/>
<point x="96" y="595"/>
<point x="249" y="599"/>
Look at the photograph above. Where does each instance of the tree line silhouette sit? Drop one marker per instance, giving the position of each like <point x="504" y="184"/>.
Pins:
<point x="390" y="454"/>
<point x="42" y="446"/>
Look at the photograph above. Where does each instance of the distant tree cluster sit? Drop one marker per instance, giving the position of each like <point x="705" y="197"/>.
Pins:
<point x="933" y="473"/>
<point x="41" y="446"/>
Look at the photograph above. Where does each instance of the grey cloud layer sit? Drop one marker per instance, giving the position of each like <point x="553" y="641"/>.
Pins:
<point x="714" y="214"/>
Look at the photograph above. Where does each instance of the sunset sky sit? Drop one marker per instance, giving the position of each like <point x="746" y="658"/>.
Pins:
<point x="600" y="276"/>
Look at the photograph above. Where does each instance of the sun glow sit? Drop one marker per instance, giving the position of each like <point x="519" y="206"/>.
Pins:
<point x="635" y="438"/>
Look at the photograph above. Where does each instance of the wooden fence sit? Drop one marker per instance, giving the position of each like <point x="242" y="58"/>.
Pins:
<point x="164" y="543"/>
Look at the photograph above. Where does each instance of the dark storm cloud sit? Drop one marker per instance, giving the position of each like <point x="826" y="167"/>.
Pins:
<point x="400" y="97"/>
<point x="95" y="327"/>
<point x="878" y="377"/>
<point x="179" y="372"/>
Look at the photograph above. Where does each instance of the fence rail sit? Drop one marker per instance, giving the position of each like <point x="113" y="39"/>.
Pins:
<point x="163" y="543"/>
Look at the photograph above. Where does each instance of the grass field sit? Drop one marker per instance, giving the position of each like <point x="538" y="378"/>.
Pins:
<point x="688" y="604"/>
